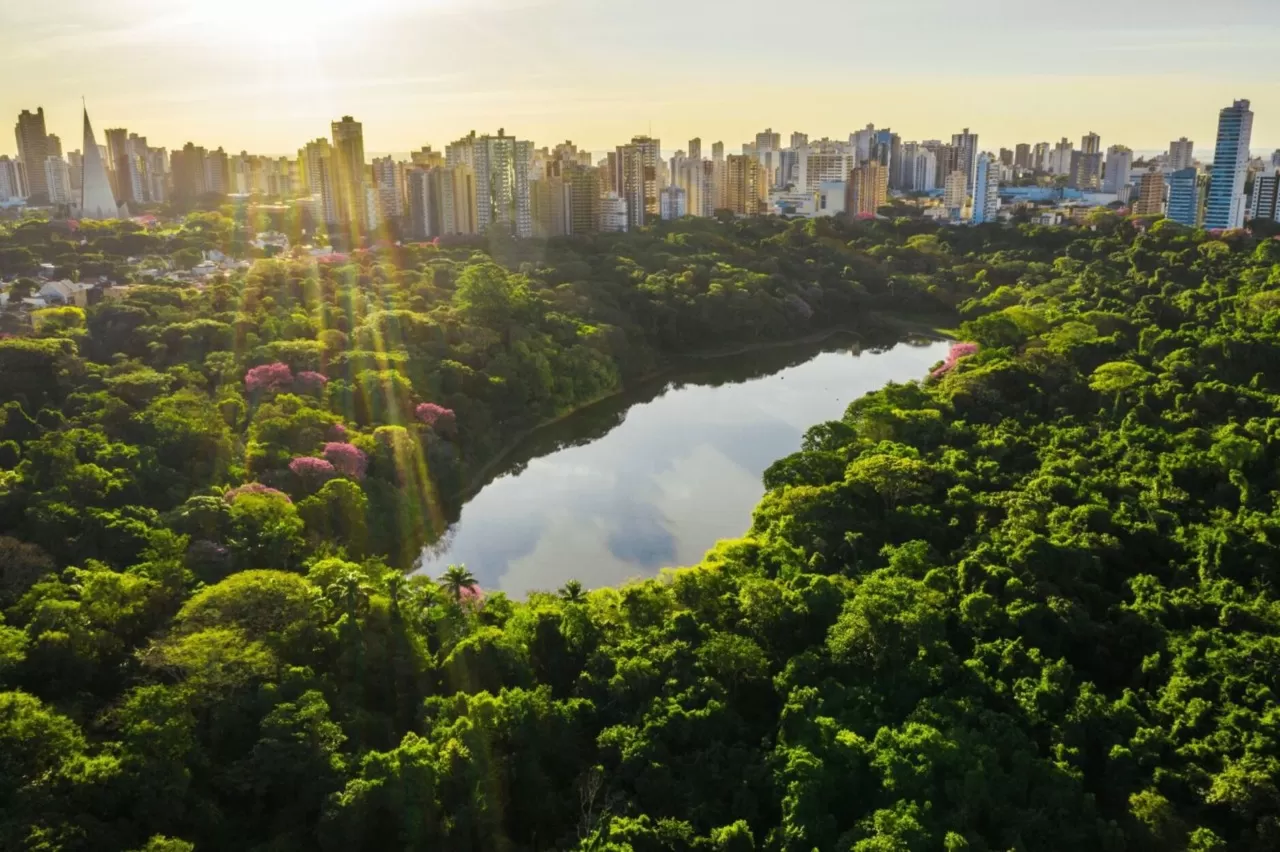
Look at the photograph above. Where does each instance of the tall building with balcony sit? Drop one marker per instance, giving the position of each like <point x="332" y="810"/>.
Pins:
<point x="309" y="157"/>
<point x="584" y="198"/>
<point x="550" y="200"/>
<point x="1086" y="171"/>
<point x="613" y="214"/>
<point x="955" y="193"/>
<point x="347" y="176"/>
<point x="12" y="186"/>
<point x="1119" y="168"/>
<point x="1185" y="197"/>
<point x="1150" y="194"/>
<point x="746" y="187"/>
<point x="1264" y="201"/>
<point x="502" y="184"/>
<point x="637" y="179"/>
<point x="57" y="177"/>
<point x="966" y="155"/>
<point x="1225" y="207"/>
<point x="867" y="190"/>
<point x="986" y="189"/>
<point x="673" y="202"/>
<point x="1091" y="143"/>
<point x="33" y="147"/>
<point x="388" y="181"/>
<point x="1022" y="155"/>
<point x="1181" y="154"/>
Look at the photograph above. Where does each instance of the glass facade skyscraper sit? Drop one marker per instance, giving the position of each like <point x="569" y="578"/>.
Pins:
<point x="1184" y="197"/>
<point x="1226" y="204"/>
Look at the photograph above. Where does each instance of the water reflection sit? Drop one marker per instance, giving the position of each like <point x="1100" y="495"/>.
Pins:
<point x="657" y="476"/>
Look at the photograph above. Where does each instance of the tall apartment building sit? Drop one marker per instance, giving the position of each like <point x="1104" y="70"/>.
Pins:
<point x="550" y="201"/>
<point x="637" y="179"/>
<point x="1091" y="143"/>
<point x="695" y="148"/>
<point x="694" y="176"/>
<point x="217" y="172"/>
<point x="33" y="147"/>
<point x="1264" y="201"/>
<point x="613" y="214"/>
<point x="966" y="156"/>
<point x="1086" y="171"/>
<point x="57" y="177"/>
<point x="673" y="202"/>
<point x="12" y="186"/>
<point x="1150" y="194"/>
<point x="187" y="168"/>
<point x="955" y="193"/>
<point x="745" y="185"/>
<point x="1185" y="197"/>
<point x="1119" y="168"/>
<point x="867" y="190"/>
<point x="1060" y="158"/>
<point x="584" y="198"/>
<point x="346" y="171"/>
<point x="817" y="166"/>
<point x="1040" y="156"/>
<point x="986" y="189"/>
<point x="502" y="184"/>
<point x="388" y="181"/>
<point x="1022" y="156"/>
<point x="924" y="171"/>
<point x="309" y="157"/>
<point x="1225" y="207"/>
<point x="1181" y="154"/>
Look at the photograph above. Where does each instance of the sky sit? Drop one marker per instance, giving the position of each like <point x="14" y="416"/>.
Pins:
<point x="268" y="75"/>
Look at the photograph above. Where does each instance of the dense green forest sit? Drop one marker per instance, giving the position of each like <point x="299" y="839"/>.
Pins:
<point x="1026" y="603"/>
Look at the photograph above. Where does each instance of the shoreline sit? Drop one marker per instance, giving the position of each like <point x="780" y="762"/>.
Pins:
<point x="478" y="480"/>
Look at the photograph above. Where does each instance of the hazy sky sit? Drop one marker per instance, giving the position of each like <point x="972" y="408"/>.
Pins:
<point x="266" y="75"/>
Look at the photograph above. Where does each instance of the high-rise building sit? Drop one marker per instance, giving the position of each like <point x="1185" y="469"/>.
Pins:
<point x="717" y="151"/>
<point x="53" y="145"/>
<point x="1006" y="157"/>
<point x="1119" y="167"/>
<point x="217" y="173"/>
<point x="966" y="147"/>
<point x="550" y="200"/>
<point x="33" y="147"/>
<point x="1150" y="194"/>
<point x="1040" y="155"/>
<point x="58" y="178"/>
<point x="867" y="190"/>
<point x="96" y="199"/>
<point x="1264" y="201"/>
<point x="584" y="198"/>
<point x="188" y="170"/>
<point x="502" y="184"/>
<point x="1091" y="143"/>
<point x="1226" y="203"/>
<point x="924" y="171"/>
<point x="1086" y="171"/>
<point x="11" y="184"/>
<point x="613" y="214"/>
<point x="388" y="180"/>
<point x="118" y="161"/>
<point x="955" y="193"/>
<point x="1022" y="155"/>
<point x="986" y="189"/>
<point x="745" y="185"/>
<point x="1185" y="198"/>
<point x="1181" y="154"/>
<point x="695" y="148"/>
<point x="1060" y="159"/>
<point x="821" y="165"/>
<point x="694" y="177"/>
<point x="426" y="158"/>
<point x="799" y="140"/>
<point x="417" y="185"/>
<point x="347" y="173"/>
<point x="309" y="157"/>
<point x="637" y="179"/>
<point x="673" y="202"/>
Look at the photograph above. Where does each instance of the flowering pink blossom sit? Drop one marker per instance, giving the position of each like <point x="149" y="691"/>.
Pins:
<point x="308" y="467"/>
<point x="255" y="488"/>
<point x="309" y="380"/>
<point x="958" y="351"/>
<point x="436" y="416"/>
<point x="470" y="594"/>
<point x="346" y="459"/>
<point x="338" y="432"/>
<point x="268" y="377"/>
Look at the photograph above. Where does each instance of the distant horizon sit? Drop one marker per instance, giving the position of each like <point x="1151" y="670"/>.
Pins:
<point x="269" y="75"/>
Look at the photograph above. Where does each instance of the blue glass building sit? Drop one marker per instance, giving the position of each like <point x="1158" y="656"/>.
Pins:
<point x="1184" y="197"/>
<point x="1226" y="203"/>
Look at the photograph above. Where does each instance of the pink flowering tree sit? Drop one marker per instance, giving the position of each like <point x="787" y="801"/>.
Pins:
<point x="958" y="351"/>
<point x="346" y="459"/>
<point x="338" y="432"/>
<point x="309" y="381"/>
<point x="312" y="471"/>
<point x="254" y="488"/>
<point x="436" y="416"/>
<point x="268" y="377"/>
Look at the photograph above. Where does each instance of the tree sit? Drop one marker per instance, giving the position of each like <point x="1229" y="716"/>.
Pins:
<point x="458" y="581"/>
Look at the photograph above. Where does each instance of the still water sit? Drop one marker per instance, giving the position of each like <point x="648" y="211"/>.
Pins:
<point x="656" y="476"/>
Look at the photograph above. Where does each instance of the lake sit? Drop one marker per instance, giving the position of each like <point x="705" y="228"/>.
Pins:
<point x="655" y="476"/>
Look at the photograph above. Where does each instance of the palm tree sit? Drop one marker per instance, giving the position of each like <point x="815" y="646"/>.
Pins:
<point x="455" y="579"/>
<point x="572" y="592"/>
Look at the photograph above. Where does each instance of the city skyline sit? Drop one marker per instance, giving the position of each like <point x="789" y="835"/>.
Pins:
<point x="266" y="76"/>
